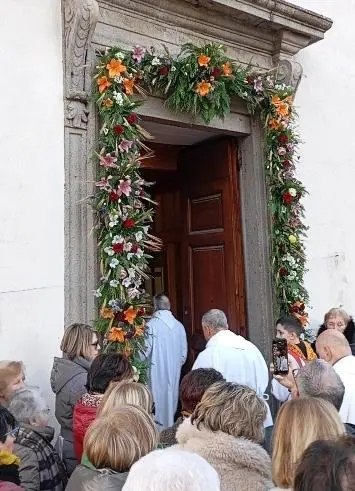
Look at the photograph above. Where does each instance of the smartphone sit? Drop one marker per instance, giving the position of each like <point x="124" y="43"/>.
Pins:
<point x="280" y="356"/>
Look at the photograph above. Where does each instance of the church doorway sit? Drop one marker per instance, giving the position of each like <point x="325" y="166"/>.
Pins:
<point x="198" y="218"/>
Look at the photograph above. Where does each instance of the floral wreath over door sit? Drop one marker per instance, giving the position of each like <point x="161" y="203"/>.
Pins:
<point x="200" y="81"/>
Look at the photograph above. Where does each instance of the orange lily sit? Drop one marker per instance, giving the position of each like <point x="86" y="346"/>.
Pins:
<point x="116" y="335"/>
<point x="227" y="69"/>
<point x="274" y="124"/>
<point x="130" y="314"/>
<point x="275" y="100"/>
<point x="115" y="68"/>
<point x="303" y="319"/>
<point x="203" y="60"/>
<point x="106" y="313"/>
<point x="139" y="332"/>
<point x="203" y="88"/>
<point x="128" y="84"/>
<point x="108" y="103"/>
<point x="103" y="84"/>
<point x="283" y="109"/>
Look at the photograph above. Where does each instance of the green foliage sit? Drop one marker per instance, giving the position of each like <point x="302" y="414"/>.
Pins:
<point x="199" y="81"/>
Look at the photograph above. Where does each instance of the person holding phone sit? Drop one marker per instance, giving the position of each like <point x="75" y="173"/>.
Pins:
<point x="299" y="351"/>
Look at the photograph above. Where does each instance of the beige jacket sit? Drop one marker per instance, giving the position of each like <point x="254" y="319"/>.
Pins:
<point x="242" y="465"/>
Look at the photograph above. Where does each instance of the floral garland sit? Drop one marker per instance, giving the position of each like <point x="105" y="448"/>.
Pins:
<point x="200" y="81"/>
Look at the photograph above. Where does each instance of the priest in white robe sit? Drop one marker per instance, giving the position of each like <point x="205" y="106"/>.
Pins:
<point x="333" y="347"/>
<point x="166" y="351"/>
<point x="237" y="359"/>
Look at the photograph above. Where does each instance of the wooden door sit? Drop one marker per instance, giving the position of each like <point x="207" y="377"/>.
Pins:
<point x="212" y="254"/>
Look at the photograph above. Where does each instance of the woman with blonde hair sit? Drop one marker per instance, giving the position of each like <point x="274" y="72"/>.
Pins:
<point x="12" y="377"/>
<point x="68" y="379"/>
<point x="299" y="423"/>
<point x="126" y="392"/>
<point x="339" y="319"/>
<point x="226" y="429"/>
<point x="112" y="444"/>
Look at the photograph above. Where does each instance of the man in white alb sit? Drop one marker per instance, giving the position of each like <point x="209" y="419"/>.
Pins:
<point x="333" y="347"/>
<point x="237" y="359"/>
<point x="166" y="350"/>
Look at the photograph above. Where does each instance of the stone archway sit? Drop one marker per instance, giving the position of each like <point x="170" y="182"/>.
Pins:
<point x="270" y="33"/>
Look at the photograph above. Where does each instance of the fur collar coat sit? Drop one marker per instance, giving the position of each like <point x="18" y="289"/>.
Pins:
<point x="242" y="465"/>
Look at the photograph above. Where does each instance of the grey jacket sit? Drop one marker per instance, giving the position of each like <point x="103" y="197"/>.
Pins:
<point x="68" y="380"/>
<point x="90" y="479"/>
<point x="40" y="465"/>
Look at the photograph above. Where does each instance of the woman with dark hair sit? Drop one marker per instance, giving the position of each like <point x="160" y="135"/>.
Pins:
<point x="192" y="388"/>
<point x="105" y="369"/>
<point x="68" y="378"/>
<point x="9" y="463"/>
<point x="327" y="465"/>
<point x="340" y="320"/>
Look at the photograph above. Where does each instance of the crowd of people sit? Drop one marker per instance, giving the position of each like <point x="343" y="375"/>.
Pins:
<point x="117" y="433"/>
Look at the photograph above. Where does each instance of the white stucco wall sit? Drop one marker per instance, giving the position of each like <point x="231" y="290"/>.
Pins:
<point x="325" y="104"/>
<point x="31" y="185"/>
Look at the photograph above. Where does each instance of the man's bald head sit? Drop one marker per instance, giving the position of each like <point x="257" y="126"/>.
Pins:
<point x="331" y="345"/>
<point x="161" y="302"/>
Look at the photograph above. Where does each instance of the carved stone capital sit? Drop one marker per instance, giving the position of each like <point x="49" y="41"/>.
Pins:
<point x="79" y="19"/>
<point x="289" y="72"/>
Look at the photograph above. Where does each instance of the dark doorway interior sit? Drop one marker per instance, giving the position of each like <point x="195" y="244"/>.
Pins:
<point x="198" y="218"/>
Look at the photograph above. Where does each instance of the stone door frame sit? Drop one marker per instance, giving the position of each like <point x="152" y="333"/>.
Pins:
<point x="270" y="32"/>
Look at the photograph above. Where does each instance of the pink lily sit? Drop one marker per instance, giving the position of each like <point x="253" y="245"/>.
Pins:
<point x="108" y="161"/>
<point x="103" y="183"/>
<point x="125" y="145"/>
<point x="125" y="187"/>
<point x="138" y="53"/>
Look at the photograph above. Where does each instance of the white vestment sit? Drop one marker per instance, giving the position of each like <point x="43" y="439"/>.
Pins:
<point x="345" y="368"/>
<point x="238" y="360"/>
<point x="166" y="350"/>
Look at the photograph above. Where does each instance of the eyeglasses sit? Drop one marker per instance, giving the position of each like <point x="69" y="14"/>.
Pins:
<point x="12" y="433"/>
<point x="95" y="344"/>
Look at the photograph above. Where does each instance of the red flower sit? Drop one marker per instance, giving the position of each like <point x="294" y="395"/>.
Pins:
<point x="117" y="248"/>
<point x="129" y="223"/>
<point x="134" y="248"/>
<point x="119" y="317"/>
<point x="287" y="198"/>
<point x="283" y="139"/>
<point x="283" y="271"/>
<point x="141" y="311"/>
<point x="164" y="70"/>
<point x="216" y="72"/>
<point x="118" y="129"/>
<point x="286" y="163"/>
<point x="132" y="118"/>
<point x="113" y="196"/>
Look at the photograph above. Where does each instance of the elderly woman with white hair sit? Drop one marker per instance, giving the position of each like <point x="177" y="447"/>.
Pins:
<point x="40" y="466"/>
<point x="173" y="470"/>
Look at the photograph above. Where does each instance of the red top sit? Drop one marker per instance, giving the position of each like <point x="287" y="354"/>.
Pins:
<point x="85" y="411"/>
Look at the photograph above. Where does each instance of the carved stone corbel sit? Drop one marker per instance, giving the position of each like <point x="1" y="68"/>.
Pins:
<point x="289" y="72"/>
<point x="79" y="21"/>
<point x="80" y="17"/>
